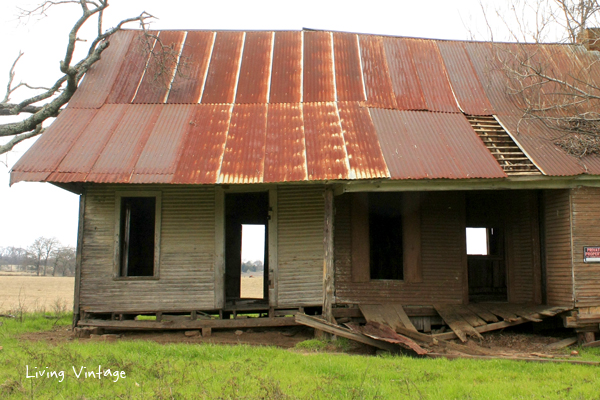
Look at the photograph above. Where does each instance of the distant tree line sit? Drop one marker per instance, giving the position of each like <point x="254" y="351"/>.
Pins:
<point x="253" y="266"/>
<point x="45" y="256"/>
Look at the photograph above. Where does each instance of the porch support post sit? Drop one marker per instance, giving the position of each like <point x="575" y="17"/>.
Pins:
<point x="78" y="259"/>
<point x="328" y="273"/>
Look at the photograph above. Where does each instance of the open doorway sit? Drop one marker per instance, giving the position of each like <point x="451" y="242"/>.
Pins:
<point x="246" y="247"/>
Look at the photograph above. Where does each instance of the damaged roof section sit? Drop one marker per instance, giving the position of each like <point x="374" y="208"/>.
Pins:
<point x="291" y="106"/>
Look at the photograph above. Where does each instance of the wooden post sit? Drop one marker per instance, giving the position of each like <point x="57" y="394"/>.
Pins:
<point x="328" y="273"/>
<point x="535" y="244"/>
<point x="78" y="259"/>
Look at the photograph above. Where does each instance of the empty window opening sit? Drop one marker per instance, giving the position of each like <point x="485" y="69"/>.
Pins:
<point x="385" y="236"/>
<point x="477" y="241"/>
<point x="138" y="217"/>
<point x="253" y="262"/>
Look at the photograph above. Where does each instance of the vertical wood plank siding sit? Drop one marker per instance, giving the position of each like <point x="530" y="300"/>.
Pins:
<point x="186" y="256"/>
<point x="442" y="258"/>
<point x="586" y="232"/>
<point x="557" y="223"/>
<point x="300" y="245"/>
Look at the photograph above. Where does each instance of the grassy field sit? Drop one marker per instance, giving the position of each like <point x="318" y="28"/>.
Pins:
<point x="32" y="293"/>
<point x="149" y="370"/>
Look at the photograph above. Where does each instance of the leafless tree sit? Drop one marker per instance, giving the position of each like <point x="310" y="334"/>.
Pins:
<point x="63" y="261"/>
<point x="565" y="98"/>
<point x="40" y="251"/>
<point x="48" y="101"/>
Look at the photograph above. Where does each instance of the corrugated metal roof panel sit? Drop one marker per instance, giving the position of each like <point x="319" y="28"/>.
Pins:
<point x="20" y="176"/>
<point x="204" y="145"/>
<point x="405" y="80"/>
<point x="253" y="86"/>
<point x="187" y="86"/>
<point x="223" y="69"/>
<point x="122" y="151"/>
<point x="244" y="158"/>
<point x="66" y="177"/>
<point x="348" y="73"/>
<point x="465" y="84"/>
<point x="98" y="81"/>
<point x="285" y="152"/>
<point x="537" y="142"/>
<point x="432" y="75"/>
<point x="131" y="71"/>
<point x="426" y="145"/>
<point x="159" y="72"/>
<point x="364" y="153"/>
<point x="378" y="83"/>
<point x="325" y="148"/>
<point x="163" y="149"/>
<point x="93" y="138"/>
<point x="49" y="150"/>
<point x="483" y="57"/>
<point x="318" y="67"/>
<point x="286" y="77"/>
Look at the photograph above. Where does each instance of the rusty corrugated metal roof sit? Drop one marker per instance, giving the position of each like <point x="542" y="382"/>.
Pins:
<point x="252" y="107"/>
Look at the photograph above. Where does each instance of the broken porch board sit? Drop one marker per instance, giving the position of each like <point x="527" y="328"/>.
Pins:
<point x="458" y="325"/>
<point x="387" y="315"/>
<point x="482" y="313"/>
<point x="337" y="330"/>
<point x="383" y="332"/>
<point x="561" y="344"/>
<point x="472" y="318"/>
<point x="500" y="311"/>
<point x="524" y="311"/>
<point x="595" y="343"/>
<point x="485" y="328"/>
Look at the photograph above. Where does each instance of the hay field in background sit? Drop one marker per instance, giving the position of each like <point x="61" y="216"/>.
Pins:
<point x="252" y="287"/>
<point x="35" y="293"/>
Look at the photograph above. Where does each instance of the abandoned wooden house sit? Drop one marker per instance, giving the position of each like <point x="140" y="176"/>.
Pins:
<point x="369" y="160"/>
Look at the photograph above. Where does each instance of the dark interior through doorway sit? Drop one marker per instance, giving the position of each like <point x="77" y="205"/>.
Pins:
<point x="243" y="209"/>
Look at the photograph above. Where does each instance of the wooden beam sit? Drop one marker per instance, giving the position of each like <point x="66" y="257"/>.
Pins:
<point x="537" y="255"/>
<point x="460" y="327"/>
<point x="325" y="326"/>
<point x="328" y="273"/>
<point x="561" y="344"/>
<point x="359" y="220"/>
<point x="411" y="240"/>
<point x="539" y="360"/>
<point x="78" y="259"/>
<point x="191" y="325"/>
<point x="484" y="328"/>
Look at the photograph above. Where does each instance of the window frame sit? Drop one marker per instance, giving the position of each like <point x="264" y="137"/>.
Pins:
<point x="157" y="230"/>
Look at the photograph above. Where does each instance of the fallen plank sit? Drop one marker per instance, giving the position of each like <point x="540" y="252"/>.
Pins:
<point x="458" y="325"/>
<point x="337" y="330"/>
<point x="189" y="324"/>
<point x="592" y="344"/>
<point x="434" y="341"/>
<point x="403" y="317"/>
<point x="510" y="358"/>
<point x="372" y="313"/>
<point x="384" y="332"/>
<point x="469" y="316"/>
<point x="482" y="313"/>
<point x="388" y="315"/>
<point x="485" y="328"/>
<point x="524" y="312"/>
<point x="501" y="311"/>
<point x="7" y="316"/>
<point x="561" y="344"/>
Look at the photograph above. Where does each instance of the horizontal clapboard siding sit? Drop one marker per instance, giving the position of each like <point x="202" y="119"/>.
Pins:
<point x="520" y="246"/>
<point x="186" y="253"/>
<point x="557" y="235"/>
<point x="300" y="245"/>
<point x="586" y="232"/>
<point x="443" y="261"/>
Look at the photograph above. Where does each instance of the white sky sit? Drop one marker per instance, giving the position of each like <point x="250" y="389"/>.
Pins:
<point x="30" y="210"/>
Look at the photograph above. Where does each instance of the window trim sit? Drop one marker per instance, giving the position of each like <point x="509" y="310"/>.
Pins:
<point x="157" y="230"/>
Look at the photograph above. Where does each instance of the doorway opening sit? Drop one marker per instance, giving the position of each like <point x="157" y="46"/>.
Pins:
<point x="246" y="248"/>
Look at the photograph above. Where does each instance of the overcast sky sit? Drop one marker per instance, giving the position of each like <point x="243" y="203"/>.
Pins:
<point x="29" y="210"/>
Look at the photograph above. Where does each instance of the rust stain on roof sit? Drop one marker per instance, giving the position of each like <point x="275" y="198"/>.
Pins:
<point x="243" y="161"/>
<point x="223" y="69"/>
<point x="378" y="83"/>
<point x="348" y="74"/>
<point x="403" y="73"/>
<point x="285" y="151"/>
<point x="187" y="85"/>
<point x="318" y="67"/>
<point x="253" y="86"/>
<point x="286" y="78"/>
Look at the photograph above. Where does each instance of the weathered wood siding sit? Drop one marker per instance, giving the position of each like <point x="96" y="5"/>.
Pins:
<point x="586" y="232"/>
<point x="557" y="237"/>
<point x="300" y="245"/>
<point x="443" y="260"/>
<point x="187" y="250"/>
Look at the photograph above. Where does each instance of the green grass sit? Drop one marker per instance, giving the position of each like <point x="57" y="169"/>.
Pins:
<point x="186" y="371"/>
